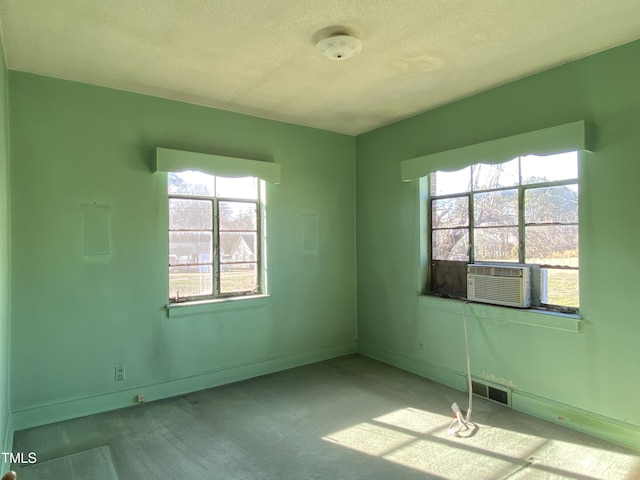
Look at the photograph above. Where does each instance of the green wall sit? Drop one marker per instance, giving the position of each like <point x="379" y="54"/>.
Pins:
<point x="590" y="377"/>
<point x="75" y="318"/>
<point x="5" y="424"/>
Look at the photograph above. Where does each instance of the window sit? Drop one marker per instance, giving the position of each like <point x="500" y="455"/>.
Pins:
<point x="521" y="211"/>
<point x="214" y="236"/>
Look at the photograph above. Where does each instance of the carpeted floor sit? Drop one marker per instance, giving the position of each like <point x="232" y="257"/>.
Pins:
<point x="95" y="464"/>
<point x="347" y="418"/>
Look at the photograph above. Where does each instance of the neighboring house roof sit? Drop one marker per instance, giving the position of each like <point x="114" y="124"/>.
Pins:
<point x="232" y="245"/>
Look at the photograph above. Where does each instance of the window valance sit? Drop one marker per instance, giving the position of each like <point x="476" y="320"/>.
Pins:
<point x="167" y="160"/>
<point x="558" y="139"/>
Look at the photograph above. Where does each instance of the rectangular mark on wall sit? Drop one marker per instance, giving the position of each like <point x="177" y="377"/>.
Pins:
<point x="96" y="230"/>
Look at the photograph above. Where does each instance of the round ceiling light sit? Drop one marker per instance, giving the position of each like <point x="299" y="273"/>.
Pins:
<point x="339" y="47"/>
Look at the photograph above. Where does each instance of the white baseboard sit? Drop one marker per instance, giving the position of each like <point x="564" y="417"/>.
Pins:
<point x="606" y="428"/>
<point x="80" y="407"/>
<point x="615" y="431"/>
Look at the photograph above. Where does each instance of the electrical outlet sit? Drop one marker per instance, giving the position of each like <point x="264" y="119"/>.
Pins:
<point x="119" y="375"/>
<point x="420" y="347"/>
<point x="140" y="398"/>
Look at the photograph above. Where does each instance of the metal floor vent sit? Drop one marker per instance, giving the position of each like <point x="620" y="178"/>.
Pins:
<point x="490" y="392"/>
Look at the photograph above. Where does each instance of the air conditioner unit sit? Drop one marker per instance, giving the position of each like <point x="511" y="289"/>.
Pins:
<point x="499" y="284"/>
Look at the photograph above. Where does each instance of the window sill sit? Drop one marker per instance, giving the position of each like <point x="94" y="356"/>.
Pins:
<point x="203" y="307"/>
<point x="536" y="318"/>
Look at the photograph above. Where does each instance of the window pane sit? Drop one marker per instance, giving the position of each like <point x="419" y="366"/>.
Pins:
<point x="496" y="244"/>
<point x="189" y="247"/>
<point x="536" y="169"/>
<point x="190" y="214"/>
<point x="490" y="177"/>
<point x="551" y="204"/>
<point x="241" y="277"/>
<point x="552" y="245"/>
<point x="495" y="208"/>
<point x="190" y="281"/>
<point x="450" y="244"/>
<point x="243" y="187"/>
<point x="446" y="183"/>
<point x="450" y="212"/>
<point x="238" y="247"/>
<point x="191" y="183"/>
<point x="238" y="216"/>
<point x="560" y="287"/>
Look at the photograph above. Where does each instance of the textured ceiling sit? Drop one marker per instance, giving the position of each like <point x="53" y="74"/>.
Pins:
<point x="259" y="57"/>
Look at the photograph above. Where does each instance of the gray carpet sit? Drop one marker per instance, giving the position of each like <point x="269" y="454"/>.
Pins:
<point x="348" y="418"/>
<point x="95" y="464"/>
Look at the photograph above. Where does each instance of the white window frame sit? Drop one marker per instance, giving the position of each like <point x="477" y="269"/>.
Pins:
<point x="216" y="264"/>
<point x="169" y="160"/>
<point x="521" y="224"/>
<point x="576" y="136"/>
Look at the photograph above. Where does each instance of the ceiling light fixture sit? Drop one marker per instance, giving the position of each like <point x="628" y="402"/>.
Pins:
<point x="339" y="47"/>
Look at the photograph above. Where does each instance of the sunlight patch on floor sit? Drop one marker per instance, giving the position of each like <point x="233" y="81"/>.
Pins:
<point x="414" y="420"/>
<point x="418" y="439"/>
<point x="371" y="439"/>
<point x="585" y="460"/>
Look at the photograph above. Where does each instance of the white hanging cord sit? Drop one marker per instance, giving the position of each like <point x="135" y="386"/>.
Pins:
<point x="463" y="423"/>
<point x="466" y="345"/>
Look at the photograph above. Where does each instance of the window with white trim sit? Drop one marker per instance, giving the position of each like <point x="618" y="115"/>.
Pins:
<point x="521" y="211"/>
<point x="214" y="236"/>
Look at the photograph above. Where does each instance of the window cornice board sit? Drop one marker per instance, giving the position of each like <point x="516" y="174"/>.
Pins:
<point x="547" y="141"/>
<point x="167" y="160"/>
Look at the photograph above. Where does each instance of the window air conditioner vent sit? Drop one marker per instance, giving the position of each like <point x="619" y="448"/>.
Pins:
<point x="499" y="285"/>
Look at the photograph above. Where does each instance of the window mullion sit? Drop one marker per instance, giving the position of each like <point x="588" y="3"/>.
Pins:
<point x="258" y="246"/>
<point x="521" y="228"/>
<point x="216" y="249"/>
<point x="521" y="225"/>
<point x="471" y="228"/>
<point x="430" y="276"/>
